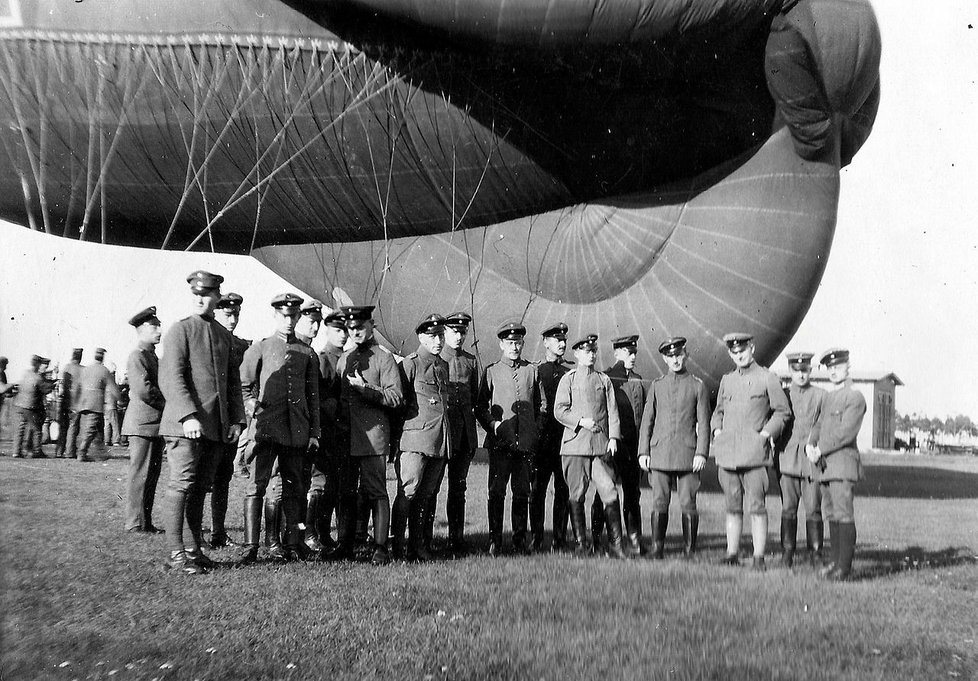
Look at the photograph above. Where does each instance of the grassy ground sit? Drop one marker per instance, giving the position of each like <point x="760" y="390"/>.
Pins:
<point x="83" y="600"/>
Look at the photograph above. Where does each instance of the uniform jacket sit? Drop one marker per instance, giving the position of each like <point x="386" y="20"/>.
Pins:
<point x="585" y="393"/>
<point x="145" y="398"/>
<point x="371" y="408"/>
<point x="239" y="346"/>
<point x="511" y="392"/>
<point x="463" y="391"/>
<point x="835" y="433"/>
<point x="70" y="386"/>
<point x="427" y="428"/>
<point x="750" y="400"/>
<point x="332" y="422"/>
<point x="95" y="383"/>
<point x="806" y="405"/>
<point x="31" y="391"/>
<point x="630" y="391"/>
<point x="552" y="430"/>
<point x="280" y="384"/>
<point x="199" y="379"/>
<point x="675" y="422"/>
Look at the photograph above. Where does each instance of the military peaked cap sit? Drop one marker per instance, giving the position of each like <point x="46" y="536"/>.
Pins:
<point x="834" y="356"/>
<point x="673" y="346"/>
<point x="557" y="330"/>
<point x="201" y="281"/>
<point x="625" y="342"/>
<point x="335" y="319"/>
<point x="737" y="339"/>
<point x="590" y="340"/>
<point x="511" y="331"/>
<point x="146" y="315"/>
<point x="286" y="300"/>
<point x="433" y="324"/>
<point x="229" y="300"/>
<point x="458" y="320"/>
<point x="312" y="308"/>
<point x="799" y="360"/>
<point x="356" y="313"/>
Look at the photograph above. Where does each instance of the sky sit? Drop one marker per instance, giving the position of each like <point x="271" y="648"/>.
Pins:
<point x="900" y="287"/>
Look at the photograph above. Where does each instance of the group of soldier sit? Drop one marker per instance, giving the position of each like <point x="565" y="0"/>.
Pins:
<point x="315" y="432"/>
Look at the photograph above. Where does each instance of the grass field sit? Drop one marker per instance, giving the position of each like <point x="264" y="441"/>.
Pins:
<point x="83" y="600"/>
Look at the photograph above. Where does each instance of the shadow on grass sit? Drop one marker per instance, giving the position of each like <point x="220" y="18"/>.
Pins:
<point x="887" y="562"/>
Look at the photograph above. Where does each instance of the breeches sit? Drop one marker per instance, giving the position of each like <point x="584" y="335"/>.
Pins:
<point x="738" y="483"/>
<point x="839" y="496"/>
<point x="418" y="475"/>
<point x="795" y="490"/>
<point x="290" y="462"/>
<point x="579" y="471"/>
<point x="510" y="467"/>
<point x="687" y="484"/>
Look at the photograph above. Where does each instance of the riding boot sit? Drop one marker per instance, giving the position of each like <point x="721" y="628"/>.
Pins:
<point x="382" y="526"/>
<point x="691" y="524"/>
<point x="789" y="532"/>
<point x="252" y="526"/>
<point x="345" y="528"/>
<point x="520" y="511"/>
<point x="560" y="524"/>
<point x="660" y="521"/>
<point x="430" y="508"/>
<point x="834" y="543"/>
<point x="399" y="521"/>
<point x="219" y="511"/>
<point x="361" y="538"/>
<point x="456" y="528"/>
<point x="846" y="533"/>
<point x="597" y="523"/>
<point x="293" y="510"/>
<point x="578" y="522"/>
<point x="273" y="530"/>
<point x="314" y="508"/>
<point x="417" y="521"/>
<point x="612" y="513"/>
<point x="497" y="506"/>
<point x="813" y="537"/>
<point x="537" y="512"/>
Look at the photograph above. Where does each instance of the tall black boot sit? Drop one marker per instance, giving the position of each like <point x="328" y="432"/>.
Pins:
<point x="612" y="514"/>
<point x="345" y="528"/>
<point x="789" y="534"/>
<point x="813" y="537"/>
<point x="660" y="521"/>
<point x="520" y="511"/>
<point x="578" y="519"/>
<point x="691" y="525"/>
<point x="400" y="513"/>
<point x="560" y="522"/>
<point x="382" y="526"/>
<point x="497" y="505"/>
<point x="846" y="533"/>
<point x="417" y="521"/>
<point x="456" y="526"/>
<point x="252" y="525"/>
<point x="219" y="511"/>
<point x="364" y="508"/>
<point x="430" y="509"/>
<point x="314" y="509"/>
<point x="833" y="549"/>
<point x="273" y="530"/>
<point x="597" y="523"/>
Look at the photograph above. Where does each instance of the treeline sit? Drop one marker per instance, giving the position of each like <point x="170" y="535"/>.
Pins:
<point x="951" y="424"/>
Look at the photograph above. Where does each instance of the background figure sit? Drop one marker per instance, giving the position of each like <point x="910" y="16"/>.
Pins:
<point x="69" y="418"/>
<point x="29" y="409"/>
<point x="95" y="381"/>
<point x="112" y="434"/>
<point x="142" y="423"/>
<point x="334" y="425"/>
<point x="6" y="389"/>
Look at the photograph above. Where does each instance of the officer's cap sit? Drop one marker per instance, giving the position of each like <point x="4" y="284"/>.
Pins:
<point x="312" y="308"/>
<point x="672" y="346"/>
<point x="557" y="330"/>
<point x="43" y="360"/>
<point x="630" y="342"/>
<point x="834" y="356"/>
<point x="459" y="321"/>
<point x="287" y="300"/>
<point x="432" y="324"/>
<point x="230" y="301"/>
<point x="335" y="319"/>
<point x="737" y="340"/>
<point x="143" y="316"/>
<point x="588" y="342"/>
<point x="357" y="313"/>
<point x="800" y="360"/>
<point x="36" y="359"/>
<point x="202" y="282"/>
<point x="99" y="353"/>
<point x="511" y="331"/>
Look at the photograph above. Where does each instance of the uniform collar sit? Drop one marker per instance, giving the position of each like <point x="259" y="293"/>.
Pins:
<point x="511" y="363"/>
<point x="305" y="340"/>
<point x="425" y="352"/>
<point x="290" y="338"/>
<point x="747" y="369"/>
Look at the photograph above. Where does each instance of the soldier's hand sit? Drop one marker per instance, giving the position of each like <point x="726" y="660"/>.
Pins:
<point x="645" y="462"/>
<point x="313" y="444"/>
<point x="588" y="424"/>
<point x="612" y="446"/>
<point x="234" y="432"/>
<point x="699" y="463"/>
<point x="356" y="379"/>
<point x="192" y="429"/>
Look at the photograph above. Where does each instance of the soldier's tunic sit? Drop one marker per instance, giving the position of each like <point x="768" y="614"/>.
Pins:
<point x="630" y="392"/>
<point x="28" y="406"/>
<point x="835" y="433"/>
<point x="547" y="462"/>
<point x="69" y="418"/>
<point x="142" y="426"/>
<point x="799" y="478"/>
<point x="750" y="400"/>
<point x="585" y="393"/>
<point x="510" y="393"/>
<point x="370" y="411"/>
<point x="280" y="378"/>
<point x="675" y="428"/>
<point x="113" y="422"/>
<point x="198" y="379"/>
<point x="334" y="447"/>
<point x="233" y="452"/>
<point x="463" y="391"/>
<point x="93" y="385"/>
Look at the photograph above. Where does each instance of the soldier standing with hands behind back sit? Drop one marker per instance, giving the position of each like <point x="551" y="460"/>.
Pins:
<point x="203" y="413"/>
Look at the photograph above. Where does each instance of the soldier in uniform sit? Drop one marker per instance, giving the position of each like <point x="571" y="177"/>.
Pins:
<point x="426" y="438"/>
<point x="798" y="476"/>
<point x="29" y="408"/>
<point x="96" y="380"/>
<point x="280" y="386"/>
<point x="630" y="397"/>
<point x="335" y="429"/>
<point x="585" y="404"/>
<point x="673" y="444"/>
<point x="751" y="412"/>
<point x="511" y="407"/>
<point x="111" y="433"/>
<point x="227" y="314"/>
<point x="69" y="419"/>
<point x="463" y="391"/>
<point x="5" y="388"/>
<point x="202" y="415"/>
<point x="834" y="443"/>
<point x="547" y="462"/>
<point x="371" y="392"/>
<point x="310" y="319"/>
<point x="142" y="423"/>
